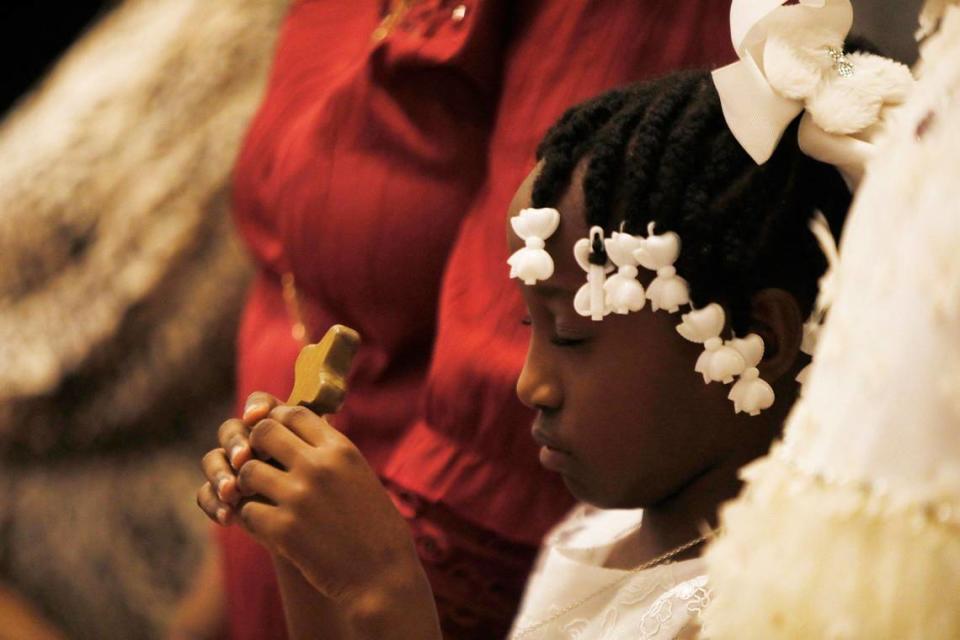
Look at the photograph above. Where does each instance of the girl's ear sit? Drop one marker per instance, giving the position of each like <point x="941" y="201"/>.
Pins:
<point x="775" y="317"/>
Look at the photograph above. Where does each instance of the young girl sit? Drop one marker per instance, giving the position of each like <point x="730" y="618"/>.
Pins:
<point x="623" y="416"/>
<point x="663" y="209"/>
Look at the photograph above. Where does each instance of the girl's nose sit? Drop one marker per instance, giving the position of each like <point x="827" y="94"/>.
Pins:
<point x="536" y="388"/>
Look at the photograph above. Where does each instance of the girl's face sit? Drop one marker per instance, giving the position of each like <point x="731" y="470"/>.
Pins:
<point x="622" y="415"/>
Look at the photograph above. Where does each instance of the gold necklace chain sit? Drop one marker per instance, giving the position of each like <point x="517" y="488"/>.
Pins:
<point x="292" y="300"/>
<point x="664" y="557"/>
<point x="398" y="10"/>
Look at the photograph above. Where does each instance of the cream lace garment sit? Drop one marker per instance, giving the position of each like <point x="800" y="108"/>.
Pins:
<point x="851" y="527"/>
<point x="658" y="603"/>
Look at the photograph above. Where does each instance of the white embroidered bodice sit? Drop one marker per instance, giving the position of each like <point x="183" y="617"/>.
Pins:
<point x="657" y="603"/>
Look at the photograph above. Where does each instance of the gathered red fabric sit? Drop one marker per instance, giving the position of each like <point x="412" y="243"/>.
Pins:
<point x="378" y="174"/>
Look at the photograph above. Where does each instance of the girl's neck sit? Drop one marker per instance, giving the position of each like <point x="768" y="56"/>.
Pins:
<point x="680" y="518"/>
<point x="693" y="509"/>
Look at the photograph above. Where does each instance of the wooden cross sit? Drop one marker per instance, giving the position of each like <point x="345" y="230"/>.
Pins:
<point x="320" y="373"/>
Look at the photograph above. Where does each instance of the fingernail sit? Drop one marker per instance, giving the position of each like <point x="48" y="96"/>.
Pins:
<point x="253" y="407"/>
<point x="234" y="453"/>
<point x="222" y="480"/>
<point x="222" y="515"/>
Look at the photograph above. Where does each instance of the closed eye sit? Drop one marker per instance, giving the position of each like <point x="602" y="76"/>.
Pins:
<point x="560" y="341"/>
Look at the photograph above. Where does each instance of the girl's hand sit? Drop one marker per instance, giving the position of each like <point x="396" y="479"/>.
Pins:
<point x="325" y="510"/>
<point x="219" y="497"/>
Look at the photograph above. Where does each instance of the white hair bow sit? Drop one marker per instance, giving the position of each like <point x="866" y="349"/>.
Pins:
<point x="532" y="263"/>
<point x="791" y="59"/>
<point x="624" y="293"/>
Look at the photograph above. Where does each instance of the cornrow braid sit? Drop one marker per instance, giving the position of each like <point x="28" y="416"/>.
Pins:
<point x="661" y="152"/>
<point x="569" y="138"/>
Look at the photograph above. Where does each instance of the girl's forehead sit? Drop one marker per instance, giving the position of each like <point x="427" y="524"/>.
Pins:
<point x="568" y="275"/>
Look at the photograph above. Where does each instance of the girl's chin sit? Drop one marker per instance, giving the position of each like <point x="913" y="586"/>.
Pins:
<point x="585" y="492"/>
<point x="573" y="477"/>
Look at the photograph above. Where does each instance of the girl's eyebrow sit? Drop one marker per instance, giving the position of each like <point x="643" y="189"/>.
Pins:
<point x="550" y="290"/>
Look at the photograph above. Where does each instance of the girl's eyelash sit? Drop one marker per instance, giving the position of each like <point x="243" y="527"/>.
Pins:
<point x="558" y="341"/>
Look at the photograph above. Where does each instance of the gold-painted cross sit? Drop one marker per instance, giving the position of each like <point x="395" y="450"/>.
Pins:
<point x="320" y="373"/>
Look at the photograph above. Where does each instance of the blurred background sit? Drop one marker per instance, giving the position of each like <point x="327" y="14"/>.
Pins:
<point x="51" y="28"/>
<point x="120" y="286"/>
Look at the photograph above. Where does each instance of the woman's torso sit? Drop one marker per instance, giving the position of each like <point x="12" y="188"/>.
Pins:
<point x="353" y="178"/>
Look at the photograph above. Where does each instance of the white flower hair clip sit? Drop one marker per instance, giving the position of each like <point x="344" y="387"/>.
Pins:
<point x="722" y="361"/>
<point x="702" y="324"/>
<point x="719" y="361"/>
<point x="623" y="292"/>
<point x="532" y="263"/>
<point x="751" y="394"/>
<point x="791" y="60"/>
<point x="591" y="255"/>
<point x="658" y="253"/>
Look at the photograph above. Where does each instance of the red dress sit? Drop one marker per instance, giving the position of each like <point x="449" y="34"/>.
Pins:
<point x="378" y="174"/>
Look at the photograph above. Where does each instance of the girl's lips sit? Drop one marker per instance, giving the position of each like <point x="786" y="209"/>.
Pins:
<point x="552" y="456"/>
<point x="553" y="459"/>
<point x="545" y="440"/>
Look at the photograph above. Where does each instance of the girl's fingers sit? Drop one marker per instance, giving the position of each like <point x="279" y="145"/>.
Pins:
<point x="209" y="503"/>
<point x="220" y="475"/>
<point x="310" y="427"/>
<point x="271" y="439"/>
<point x="257" y="407"/>
<point x="260" y="478"/>
<point x="234" y="438"/>
<point x="260" y="521"/>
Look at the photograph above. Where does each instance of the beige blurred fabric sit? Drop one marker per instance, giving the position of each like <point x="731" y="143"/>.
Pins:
<point x="120" y="288"/>
<point x="850" y="529"/>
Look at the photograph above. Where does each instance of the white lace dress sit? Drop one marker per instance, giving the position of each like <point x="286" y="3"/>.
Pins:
<point x="661" y="602"/>
<point x="860" y="505"/>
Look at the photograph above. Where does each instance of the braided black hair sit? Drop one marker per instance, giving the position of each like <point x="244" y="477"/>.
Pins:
<point x="661" y="152"/>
